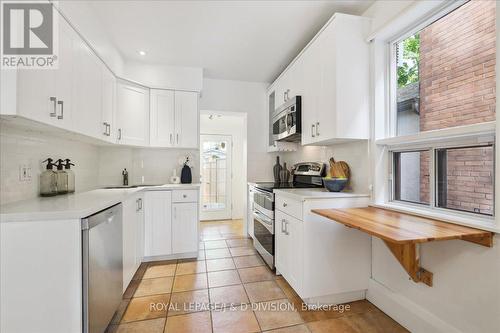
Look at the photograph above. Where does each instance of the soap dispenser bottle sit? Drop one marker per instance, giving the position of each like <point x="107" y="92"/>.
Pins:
<point x="71" y="176"/>
<point x="62" y="178"/>
<point x="48" y="180"/>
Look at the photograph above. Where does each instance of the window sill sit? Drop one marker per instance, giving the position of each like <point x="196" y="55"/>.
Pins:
<point x="481" y="223"/>
<point x="442" y="135"/>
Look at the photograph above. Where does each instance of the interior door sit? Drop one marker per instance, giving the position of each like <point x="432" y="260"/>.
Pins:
<point x="216" y="174"/>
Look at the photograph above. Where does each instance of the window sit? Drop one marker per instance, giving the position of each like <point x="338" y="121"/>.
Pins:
<point x="445" y="72"/>
<point x="411" y="176"/>
<point x="443" y="78"/>
<point x="465" y="179"/>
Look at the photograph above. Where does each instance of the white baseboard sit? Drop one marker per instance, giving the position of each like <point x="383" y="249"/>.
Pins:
<point x="334" y="299"/>
<point x="410" y="315"/>
<point x="171" y="257"/>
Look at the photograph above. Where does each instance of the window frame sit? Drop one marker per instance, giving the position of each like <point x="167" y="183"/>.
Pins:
<point x="433" y="188"/>
<point x="479" y="134"/>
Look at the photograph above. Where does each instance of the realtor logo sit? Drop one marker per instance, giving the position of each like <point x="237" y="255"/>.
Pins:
<point x="28" y="35"/>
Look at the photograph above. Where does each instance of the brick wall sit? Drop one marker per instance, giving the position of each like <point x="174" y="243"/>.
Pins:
<point x="457" y="68"/>
<point x="457" y="87"/>
<point x="470" y="179"/>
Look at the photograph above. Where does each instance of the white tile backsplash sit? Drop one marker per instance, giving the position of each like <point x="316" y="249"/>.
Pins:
<point x="96" y="166"/>
<point x="354" y="153"/>
<point x="30" y="147"/>
<point x="154" y="164"/>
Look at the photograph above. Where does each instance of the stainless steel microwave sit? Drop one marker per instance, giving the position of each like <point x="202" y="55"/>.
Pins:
<point x="287" y="121"/>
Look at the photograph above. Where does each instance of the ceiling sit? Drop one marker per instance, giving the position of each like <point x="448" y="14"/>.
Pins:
<point x="234" y="40"/>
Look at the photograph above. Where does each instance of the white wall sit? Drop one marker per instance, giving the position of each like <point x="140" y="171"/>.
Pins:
<point x="249" y="98"/>
<point x="160" y="76"/>
<point x="31" y="147"/>
<point x="235" y="126"/>
<point x="465" y="296"/>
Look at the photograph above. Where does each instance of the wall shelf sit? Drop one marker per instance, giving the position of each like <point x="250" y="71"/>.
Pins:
<point x="402" y="233"/>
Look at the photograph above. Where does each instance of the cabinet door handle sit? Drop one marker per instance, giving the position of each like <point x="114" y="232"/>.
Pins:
<point x="54" y="112"/>
<point x="61" y="103"/>
<point x="109" y="129"/>
<point x="284" y="204"/>
<point x="137" y="205"/>
<point x="317" y="129"/>
<point x="105" y="128"/>
<point x="282" y="226"/>
<point x="312" y="130"/>
<point x="286" y="228"/>
<point x="140" y="203"/>
<point x="119" y="134"/>
<point x="170" y="138"/>
<point x="175" y="212"/>
<point x="184" y="196"/>
<point x="177" y="138"/>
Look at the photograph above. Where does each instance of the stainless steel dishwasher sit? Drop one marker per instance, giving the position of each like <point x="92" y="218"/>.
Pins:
<point x="102" y="268"/>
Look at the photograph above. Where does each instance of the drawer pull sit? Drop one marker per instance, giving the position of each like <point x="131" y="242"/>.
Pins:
<point x="184" y="196"/>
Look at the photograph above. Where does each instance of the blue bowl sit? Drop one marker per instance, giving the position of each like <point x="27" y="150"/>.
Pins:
<point x="334" y="184"/>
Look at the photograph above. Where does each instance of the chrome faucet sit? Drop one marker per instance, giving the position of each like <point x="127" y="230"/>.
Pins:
<point x="125" y="177"/>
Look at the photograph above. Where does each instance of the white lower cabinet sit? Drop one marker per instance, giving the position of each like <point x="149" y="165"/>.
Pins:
<point x="158" y="223"/>
<point x="133" y="237"/>
<point x="185" y="227"/>
<point x="171" y="223"/>
<point x="323" y="261"/>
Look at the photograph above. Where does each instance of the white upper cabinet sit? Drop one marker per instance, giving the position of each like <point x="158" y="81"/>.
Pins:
<point x="87" y="106"/>
<point x="108" y="121"/>
<point x="174" y="118"/>
<point x="186" y="119"/>
<point x="45" y="95"/>
<point x="132" y="114"/>
<point x="83" y="96"/>
<point x="162" y="118"/>
<point x="332" y="76"/>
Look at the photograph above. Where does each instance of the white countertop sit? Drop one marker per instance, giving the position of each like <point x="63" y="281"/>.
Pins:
<point x="75" y="206"/>
<point x="315" y="193"/>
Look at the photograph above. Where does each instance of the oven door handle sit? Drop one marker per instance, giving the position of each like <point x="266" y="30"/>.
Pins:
<point x="269" y="195"/>
<point x="268" y="224"/>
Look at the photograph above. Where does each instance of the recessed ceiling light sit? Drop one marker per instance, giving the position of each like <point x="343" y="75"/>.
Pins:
<point x="142" y="53"/>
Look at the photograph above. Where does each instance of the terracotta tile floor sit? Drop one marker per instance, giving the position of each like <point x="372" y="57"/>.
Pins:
<point x="216" y="291"/>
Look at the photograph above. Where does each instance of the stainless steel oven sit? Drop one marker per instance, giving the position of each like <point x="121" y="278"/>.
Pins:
<point x="287" y="121"/>
<point x="263" y="224"/>
<point x="263" y="202"/>
<point x="263" y="229"/>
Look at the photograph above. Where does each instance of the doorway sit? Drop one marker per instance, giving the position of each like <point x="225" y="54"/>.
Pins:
<point x="216" y="170"/>
<point x="223" y="165"/>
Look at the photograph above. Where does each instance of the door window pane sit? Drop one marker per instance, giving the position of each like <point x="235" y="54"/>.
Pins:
<point x="213" y="169"/>
<point x="465" y="179"/>
<point x="411" y="176"/>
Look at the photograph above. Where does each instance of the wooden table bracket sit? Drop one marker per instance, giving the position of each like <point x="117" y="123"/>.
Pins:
<point x="403" y="233"/>
<point x="408" y="257"/>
